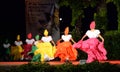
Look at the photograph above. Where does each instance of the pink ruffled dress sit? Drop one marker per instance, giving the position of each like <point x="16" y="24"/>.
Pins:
<point x="92" y="46"/>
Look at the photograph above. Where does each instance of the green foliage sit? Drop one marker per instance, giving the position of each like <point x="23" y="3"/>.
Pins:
<point x="78" y="6"/>
<point x="112" y="45"/>
<point x="31" y="67"/>
<point x="66" y="67"/>
<point x="76" y="35"/>
<point x="100" y="67"/>
<point x="101" y="21"/>
<point x="117" y="3"/>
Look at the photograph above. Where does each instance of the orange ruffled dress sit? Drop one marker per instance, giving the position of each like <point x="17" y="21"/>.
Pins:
<point x="65" y="49"/>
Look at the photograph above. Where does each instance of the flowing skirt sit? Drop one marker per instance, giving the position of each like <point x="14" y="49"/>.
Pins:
<point x="46" y="50"/>
<point x="36" y="55"/>
<point x="65" y="50"/>
<point x="94" y="48"/>
<point x="27" y="49"/>
<point x="16" y="52"/>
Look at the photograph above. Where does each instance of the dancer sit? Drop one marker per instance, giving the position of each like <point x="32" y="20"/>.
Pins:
<point x="65" y="51"/>
<point x="46" y="47"/>
<point x="28" y="46"/>
<point x="92" y="46"/>
<point x="17" y="50"/>
<point x="35" y="51"/>
<point x="6" y="50"/>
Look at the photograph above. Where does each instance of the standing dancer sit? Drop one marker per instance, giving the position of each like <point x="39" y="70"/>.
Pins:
<point x="65" y="51"/>
<point x="17" y="50"/>
<point x="28" y="46"/>
<point x="46" y="47"/>
<point x="6" y="50"/>
<point x="92" y="46"/>
<point x="35" y="51"/>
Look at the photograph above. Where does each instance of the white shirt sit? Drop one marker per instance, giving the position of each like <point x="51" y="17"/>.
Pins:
<point x="93" y="34"/>
<point x="6" y="45"/>
<point x="66" y="37"/>
<point x="18" y="43"/>
<point x="46" y="39"/>
<point x="30" y="41"/>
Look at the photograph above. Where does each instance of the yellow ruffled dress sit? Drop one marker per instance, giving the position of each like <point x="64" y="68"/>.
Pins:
<point x="46" y="49"/>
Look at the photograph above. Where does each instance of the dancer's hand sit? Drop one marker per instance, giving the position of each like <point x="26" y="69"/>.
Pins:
<point x="102" y="42"/>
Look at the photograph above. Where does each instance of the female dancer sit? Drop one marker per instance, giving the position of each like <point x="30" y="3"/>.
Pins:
<point x="28" y="46"/>
<point x="46" y="47"/>
<point x="65" y="51"/>
<point x="16" y="51"/>
<point x="35" y="51"/>
<point x="6" y="50"/>
<point x="92" y="46"/>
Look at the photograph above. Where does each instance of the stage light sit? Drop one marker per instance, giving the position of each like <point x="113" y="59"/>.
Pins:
<point x="60" y="19"/>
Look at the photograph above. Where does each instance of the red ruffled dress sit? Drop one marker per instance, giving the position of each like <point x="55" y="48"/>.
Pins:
<point x="28" y="47"/>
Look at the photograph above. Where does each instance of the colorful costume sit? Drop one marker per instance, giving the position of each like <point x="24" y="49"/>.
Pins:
<point x="92" y="46"/>
<point x="36" y="54"/>
<point x="28" y="46"/>
<point x="6" y="50"/>
<point x="45" y="48"/>
<point x="16" y="51"/>
<point x="65" y="51"/>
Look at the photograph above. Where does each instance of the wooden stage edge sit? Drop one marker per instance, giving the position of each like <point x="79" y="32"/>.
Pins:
<point x="54" y="63"/>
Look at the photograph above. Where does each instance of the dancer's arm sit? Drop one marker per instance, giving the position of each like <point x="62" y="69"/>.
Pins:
<point x="83" y="37"/>
<point x="53" y="43"/>
<point x="101" y="37"/>
<point x="58" y="41"/>
<point x="72" y="40"/>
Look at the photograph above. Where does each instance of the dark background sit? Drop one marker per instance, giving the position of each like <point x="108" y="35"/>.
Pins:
<point x="12" y="18"/>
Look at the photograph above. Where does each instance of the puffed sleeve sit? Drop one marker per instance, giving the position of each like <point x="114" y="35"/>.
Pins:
<point x="50" y="38"/>
<point x="88" y="32"/>
<point x="62" y="36"/>
<point x="97" y="32"/>
<point x="70" y="36"/>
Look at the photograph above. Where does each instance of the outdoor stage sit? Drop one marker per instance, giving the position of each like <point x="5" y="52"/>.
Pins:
<point x="54" y="63"/>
